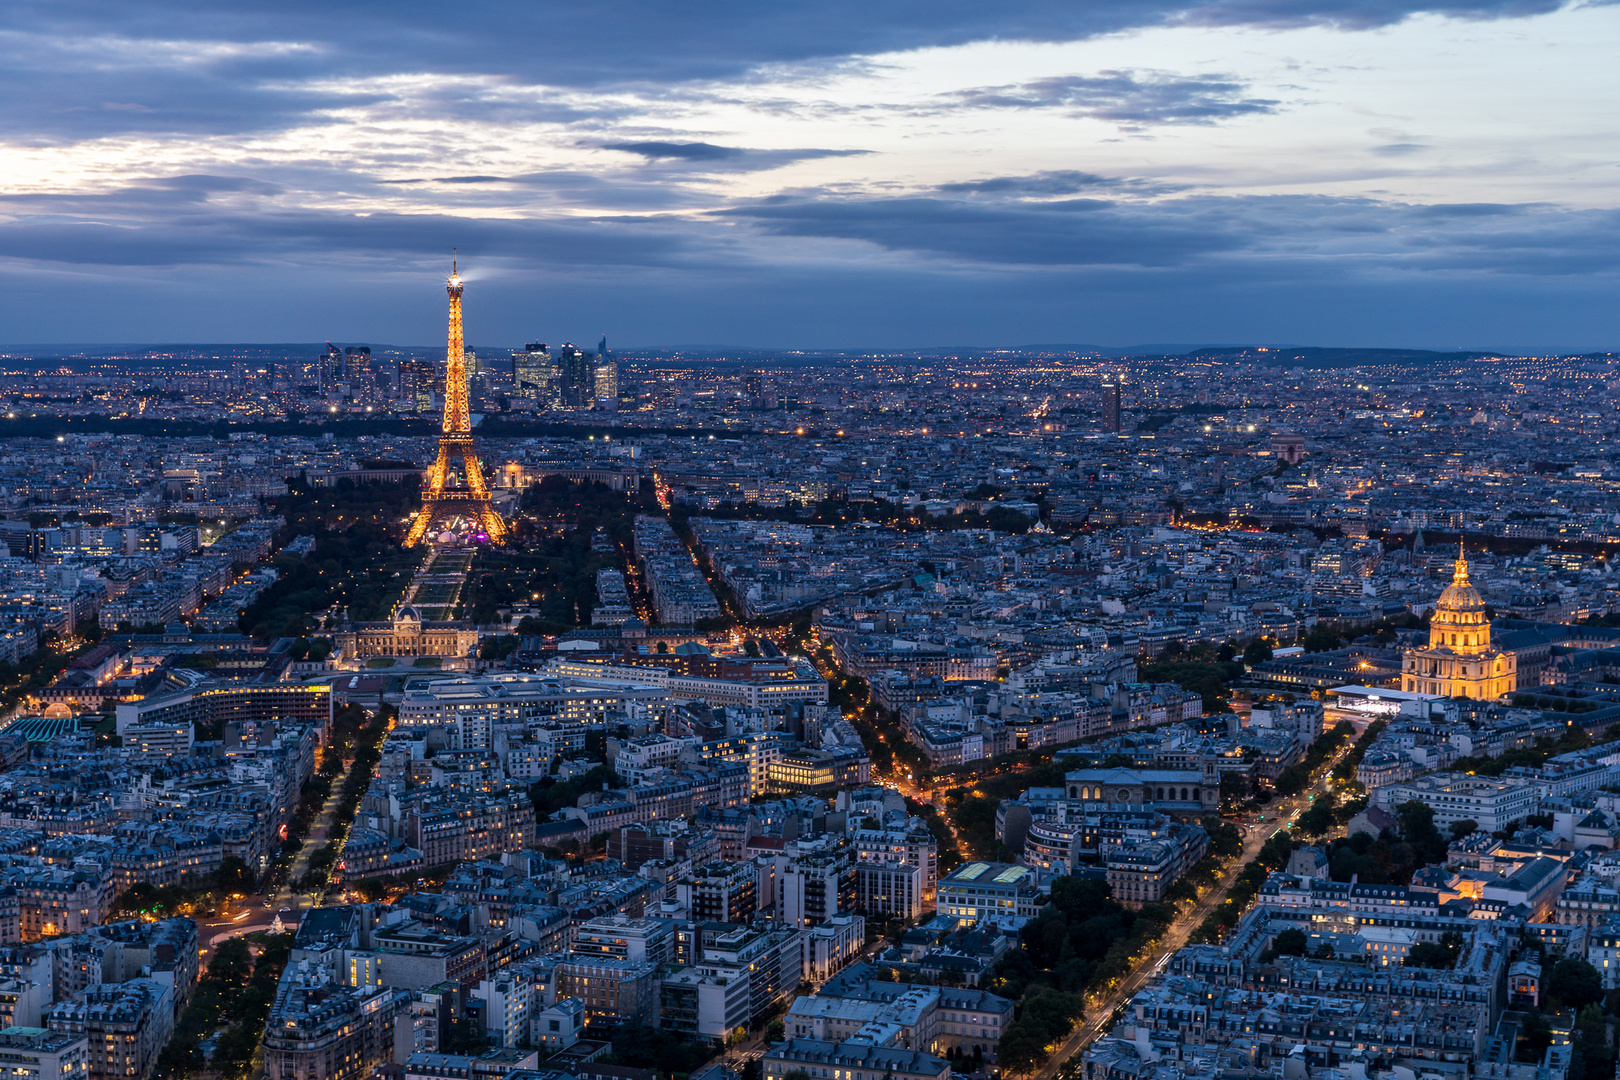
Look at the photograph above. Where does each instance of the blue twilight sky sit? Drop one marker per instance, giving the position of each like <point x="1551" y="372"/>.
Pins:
<point x="817" y="174"/>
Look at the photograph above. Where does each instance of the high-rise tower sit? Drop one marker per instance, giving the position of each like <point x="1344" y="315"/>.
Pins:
<point x="454" y="494"/>
<point x="1113" y="419"/>
<point x="531" y="372"/>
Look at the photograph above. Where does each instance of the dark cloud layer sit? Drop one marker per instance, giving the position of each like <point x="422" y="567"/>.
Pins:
<point x="162" y="226"/>
<point x="689" y="151"/>
<point x="642" y="221"/>
<point x="1052" y="183"/>
<point x="711" y="158"/>
<point x="87" y="67"/>
<point x="992" y="226"/>
<point x="1131" y="98"/>
<point x="1242" y="234"/>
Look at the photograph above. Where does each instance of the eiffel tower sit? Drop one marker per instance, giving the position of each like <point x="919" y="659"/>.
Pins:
<point x="455" y="497"/>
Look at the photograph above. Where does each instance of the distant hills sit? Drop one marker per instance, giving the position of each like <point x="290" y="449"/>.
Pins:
<point x="137" y="357"/>
<point x="1290" y="356"/>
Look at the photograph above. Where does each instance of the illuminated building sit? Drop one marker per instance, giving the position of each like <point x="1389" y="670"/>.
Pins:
<point x="1460" y="660"/>
<point x="605" y="383"/>
<point x="1112" y="417"/>
<point x="320" y="1029"/>
<point x="578" y="378"/>
<point x="990" y="892"/>
<point x="416" y="381"/>
<point x="449" y="499"/>
<point x="216" y="704"/>
<point x="406" y="634"/>
<point x="531" y="372"/>
<point x="34" y="1053"/>
<point x="125" y="1025"/>
<point x="329" y="369"/>
<point x="356" y="364"/>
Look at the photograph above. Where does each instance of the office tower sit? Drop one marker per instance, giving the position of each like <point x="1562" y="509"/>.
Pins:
<point x="416" y="381"/>
<point x="1112" y="418"/>
<point x="478" y="389"/>
<point x="531" y="371"/>
<point x="578" y="379"/>
<point x="356" y="364"/>
<point x="456" y="498"/>
<point x="329" y="370"/>
<point x="753" y="386"/>
<point x="605" y="382"/>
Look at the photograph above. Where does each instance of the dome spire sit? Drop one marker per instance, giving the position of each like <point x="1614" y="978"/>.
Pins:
<point x="1460" y="577"/>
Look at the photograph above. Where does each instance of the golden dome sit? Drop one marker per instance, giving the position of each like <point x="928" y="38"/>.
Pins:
<point x="1459" y="620"/>
<point x="1460" y="595"/>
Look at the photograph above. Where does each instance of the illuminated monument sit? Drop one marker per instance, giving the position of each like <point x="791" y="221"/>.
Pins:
<point x="1460" y="660"/>
<point x="455" y="500"/>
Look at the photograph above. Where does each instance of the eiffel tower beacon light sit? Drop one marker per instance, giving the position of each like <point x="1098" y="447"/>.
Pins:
<point x="455" y="499"/>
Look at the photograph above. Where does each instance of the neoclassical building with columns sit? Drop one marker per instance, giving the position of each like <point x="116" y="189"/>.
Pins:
<point x="406" y="635"/>
<point x="1460" y="660"/>
<point x="1182" y="794"/>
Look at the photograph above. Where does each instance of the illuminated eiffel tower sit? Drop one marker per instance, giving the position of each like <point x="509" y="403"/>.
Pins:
<point x="455" y="498"/>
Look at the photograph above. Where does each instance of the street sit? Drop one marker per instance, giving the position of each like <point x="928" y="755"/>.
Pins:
<point x="1100" y="1011"/>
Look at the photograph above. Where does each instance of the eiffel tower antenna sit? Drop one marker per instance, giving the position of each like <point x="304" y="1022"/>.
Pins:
<point x="445" y="497"/>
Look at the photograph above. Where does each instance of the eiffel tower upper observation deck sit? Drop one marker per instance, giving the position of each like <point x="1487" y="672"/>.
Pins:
<point x="455" y="499"/>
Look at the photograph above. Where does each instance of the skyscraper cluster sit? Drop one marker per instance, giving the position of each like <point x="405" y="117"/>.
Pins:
<point x="570" y="379"/>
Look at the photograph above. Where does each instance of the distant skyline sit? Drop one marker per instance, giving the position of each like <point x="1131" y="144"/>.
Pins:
<point x="877" y="175"/>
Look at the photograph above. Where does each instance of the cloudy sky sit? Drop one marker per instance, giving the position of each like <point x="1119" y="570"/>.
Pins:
<point x="814" y="174"/>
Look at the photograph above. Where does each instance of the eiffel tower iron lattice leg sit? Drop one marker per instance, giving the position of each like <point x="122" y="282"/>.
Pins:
<point x="445" y="501"/>
<point x="442" y="503"/>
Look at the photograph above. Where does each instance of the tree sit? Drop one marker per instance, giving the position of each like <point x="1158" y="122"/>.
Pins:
<point x="1290" y="943"/>
<point x="1321" y="639"/>
<point x="1427" y="954"/>
<point x="1418" y="830"/>
<point x="1574" y="983"/>
<point x="233" y="876"/>
<point x="1225" y="841"/>
<point x="1591" y="1040"/>
<point x="1292" y="780"/>
<point x="1460" y="829"/>
<point x="1319" y="818"/>
<point x="1535" y="1035"/>
<point x="1257" y="651"/>
<point x="1046" y="1017"/>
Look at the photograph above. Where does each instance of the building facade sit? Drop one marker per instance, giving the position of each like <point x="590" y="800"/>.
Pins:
<point x="1460" y="660"/>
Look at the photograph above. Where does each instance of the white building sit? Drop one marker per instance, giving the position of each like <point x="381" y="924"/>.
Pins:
<point x="639" y="756"/>
<point x="889" y="888"/>
<point x="991" y="892"/>
<point x="507" y="1005"/>
<point x="835" y="943"/>
<point x="1491" y="803"/>
<point x="557" y="1027"/>
<point x="32" y="1053"/>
